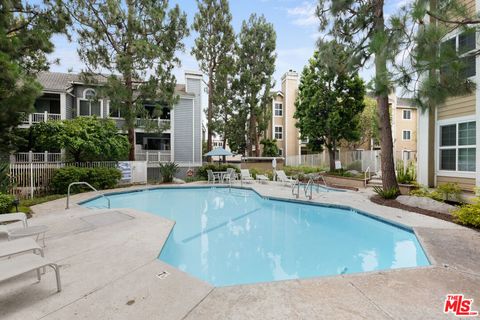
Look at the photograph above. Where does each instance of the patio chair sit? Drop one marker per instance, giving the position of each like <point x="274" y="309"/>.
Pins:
<point x="262" y="178"/>
<point x="282" y="177"/>
<point x="10" y="248"/>
<point x="212" y="177"/>
<point x="15" y="233"/>
<point x="11" y="217"/>
<point x="18" y="265"/>
<point x="230" y="176"/>
<point x="246" y="176"/>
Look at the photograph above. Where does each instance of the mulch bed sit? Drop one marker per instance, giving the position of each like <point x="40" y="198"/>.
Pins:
<point x="395" y="204"/>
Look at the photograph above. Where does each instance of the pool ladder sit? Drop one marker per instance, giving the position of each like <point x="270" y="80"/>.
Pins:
<point x="307" y="189"/>
<point x="88" y="185"/>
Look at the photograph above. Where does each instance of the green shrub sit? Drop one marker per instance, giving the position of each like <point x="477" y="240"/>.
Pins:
<point x="103" y="178"/>
<point x="391" y="193"/>
<point x="99" y="178"/>
<point x="292" y="171"/>
<point x="406" y="174"/>
<point x="202" y="171"/>
<point x="449" y="191"/>
<point x="468" y="214"/>
<point x="168" y="171"/>
<point x="6" y="202"/>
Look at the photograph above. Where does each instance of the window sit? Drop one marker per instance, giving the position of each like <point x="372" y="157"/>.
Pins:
<point x="458" y="147"/>
<point x="357" y="155"/>
<point x="407" y="155"/>
<point x="114" y="112"/>
<point x="407" y="114"/>
<point x="88" y="106"/>
<point x="278" y="109"/>
<point x="304" y="141"/>
<point x="280" y="152"/>
<point x="278" y="132"/>
<point x="407" y="135"/>
<point x="462" y="44"/>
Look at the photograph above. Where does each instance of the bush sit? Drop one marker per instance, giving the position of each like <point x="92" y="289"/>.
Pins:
<point x="99" y="178"/>
<point x="6" y="202"/>
<point x="406" y="174"/>
<point x="468" y="214"/>
<point x="168" y="171"/>
<point x="391" y="193"/>
<point x="449" y="192"/>
<point x="202" y="171"/>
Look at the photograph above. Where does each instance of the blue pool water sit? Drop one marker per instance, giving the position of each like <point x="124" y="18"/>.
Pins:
<point x="237" y="237"/>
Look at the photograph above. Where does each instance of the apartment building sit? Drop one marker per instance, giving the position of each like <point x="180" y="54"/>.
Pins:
<point x="282" y="125"/>
<point x="66" y="96"/>
<point x="448" y="134"/>
<point x="404" y="128"/>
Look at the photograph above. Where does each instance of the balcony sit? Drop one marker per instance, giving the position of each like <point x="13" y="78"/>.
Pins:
<point x="153" y="155"/>
<point x="33" y="118"/>
<point x="153" y="123"/>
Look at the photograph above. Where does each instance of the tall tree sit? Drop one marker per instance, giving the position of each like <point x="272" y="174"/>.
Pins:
<point x="25" y="40"/>
<point x="328" y="106"/>
<point x="405" y="51"/>
<point x="213" y="49"/>
<point x="255" y="67"/>
<point x="136" y="42"/>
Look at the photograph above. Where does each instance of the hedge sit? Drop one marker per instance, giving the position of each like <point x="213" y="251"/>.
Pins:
<point x="99" y="178"/>
<point x="202" y="171"/>
<point x="6" y="202"/>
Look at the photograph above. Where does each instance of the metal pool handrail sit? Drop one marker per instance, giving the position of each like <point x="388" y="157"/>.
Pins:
<point x="296" y="184"/>
<point x="87" y="184"/>
<point x="305" y="189"/>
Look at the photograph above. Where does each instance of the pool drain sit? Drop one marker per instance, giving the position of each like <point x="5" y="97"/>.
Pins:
<point x="162" y="275"/>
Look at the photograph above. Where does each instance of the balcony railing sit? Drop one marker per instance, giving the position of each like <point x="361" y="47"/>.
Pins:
<point x="28" y="157"/>
<point x="40" y="117"/>
<point x="153" y="156"/>
<point x="161" y="123"/>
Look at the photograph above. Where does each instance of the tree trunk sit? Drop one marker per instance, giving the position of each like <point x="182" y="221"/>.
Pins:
<point x="251" y="134"/>
<point x="331" y="156"/>
<point x="389" y="180"/>
<point x="131" y="140"/>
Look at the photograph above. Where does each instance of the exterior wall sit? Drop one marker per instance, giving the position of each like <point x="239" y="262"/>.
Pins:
<point x="183" y="142"/>
<point x="401" y="125"/>
<point x="465" y="183"/>
<point x="457" y="107"/>
<point x="278" y="121"/>
<point x="69" y="103"/>
<point x="79" y="94"/>
<point x="193" y="85"/>
<point x="291" y="134"/>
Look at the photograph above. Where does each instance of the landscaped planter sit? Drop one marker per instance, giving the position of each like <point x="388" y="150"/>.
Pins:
<point x="406" y="188"/>
<point x="344" y="181"/>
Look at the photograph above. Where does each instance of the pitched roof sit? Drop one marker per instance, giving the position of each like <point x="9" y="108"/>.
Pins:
<point x="407" y="102"/>
<point x="58" y="81"/>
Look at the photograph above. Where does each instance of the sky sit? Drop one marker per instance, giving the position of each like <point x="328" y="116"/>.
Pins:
<point x="294" y="21"/>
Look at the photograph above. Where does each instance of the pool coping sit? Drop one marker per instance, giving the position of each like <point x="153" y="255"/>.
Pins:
<point x="431" y="260"/>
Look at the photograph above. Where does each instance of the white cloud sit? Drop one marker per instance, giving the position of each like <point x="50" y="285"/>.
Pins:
<point x="304" y="15"/>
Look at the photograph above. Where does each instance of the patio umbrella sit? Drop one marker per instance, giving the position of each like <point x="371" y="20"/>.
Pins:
<point x="218" y="152"/>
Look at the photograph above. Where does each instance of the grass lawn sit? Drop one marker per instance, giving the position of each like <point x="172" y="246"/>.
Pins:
<point x="25" y="204"/>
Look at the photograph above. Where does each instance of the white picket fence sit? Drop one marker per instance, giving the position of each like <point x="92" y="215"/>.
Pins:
<point x="33" y="179"/>
<point x="359" y="160"/>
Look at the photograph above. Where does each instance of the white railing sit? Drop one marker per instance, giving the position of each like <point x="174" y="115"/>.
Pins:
<point x="153" y="156"/>
<point x="40" y="117"/>
<point x="28" y="157"/>
<point x="141" y="123"/>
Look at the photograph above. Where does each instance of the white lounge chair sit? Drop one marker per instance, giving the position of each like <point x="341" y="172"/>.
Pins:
<point x="262" y="178"/>
<point x="11" y="217"/>
<point x="10" y="248"/>
<point x="282" y="177"/>
<point x="18" y="265"/>
<point x="36" y="231"/>
<point x="246" y="176"/>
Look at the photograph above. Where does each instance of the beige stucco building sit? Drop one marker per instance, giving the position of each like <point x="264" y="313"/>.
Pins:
<point x="404" y="128"/>
<point x="282" y="125"/>
<point x="448" y="134"/>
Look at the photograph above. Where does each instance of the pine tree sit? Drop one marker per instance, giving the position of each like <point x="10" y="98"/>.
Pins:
<point x="255" y="67"/>
<point x="328" y="105"/>
<point x="25" y="40"/>
<point x="136" y="42"/>
<point x="214" y="49"/>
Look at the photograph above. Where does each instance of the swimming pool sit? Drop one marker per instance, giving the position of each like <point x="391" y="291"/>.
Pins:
<point x="237" y="237"/>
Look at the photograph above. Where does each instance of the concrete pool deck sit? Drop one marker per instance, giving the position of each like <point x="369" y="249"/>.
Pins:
<point x="110" y="270"/>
